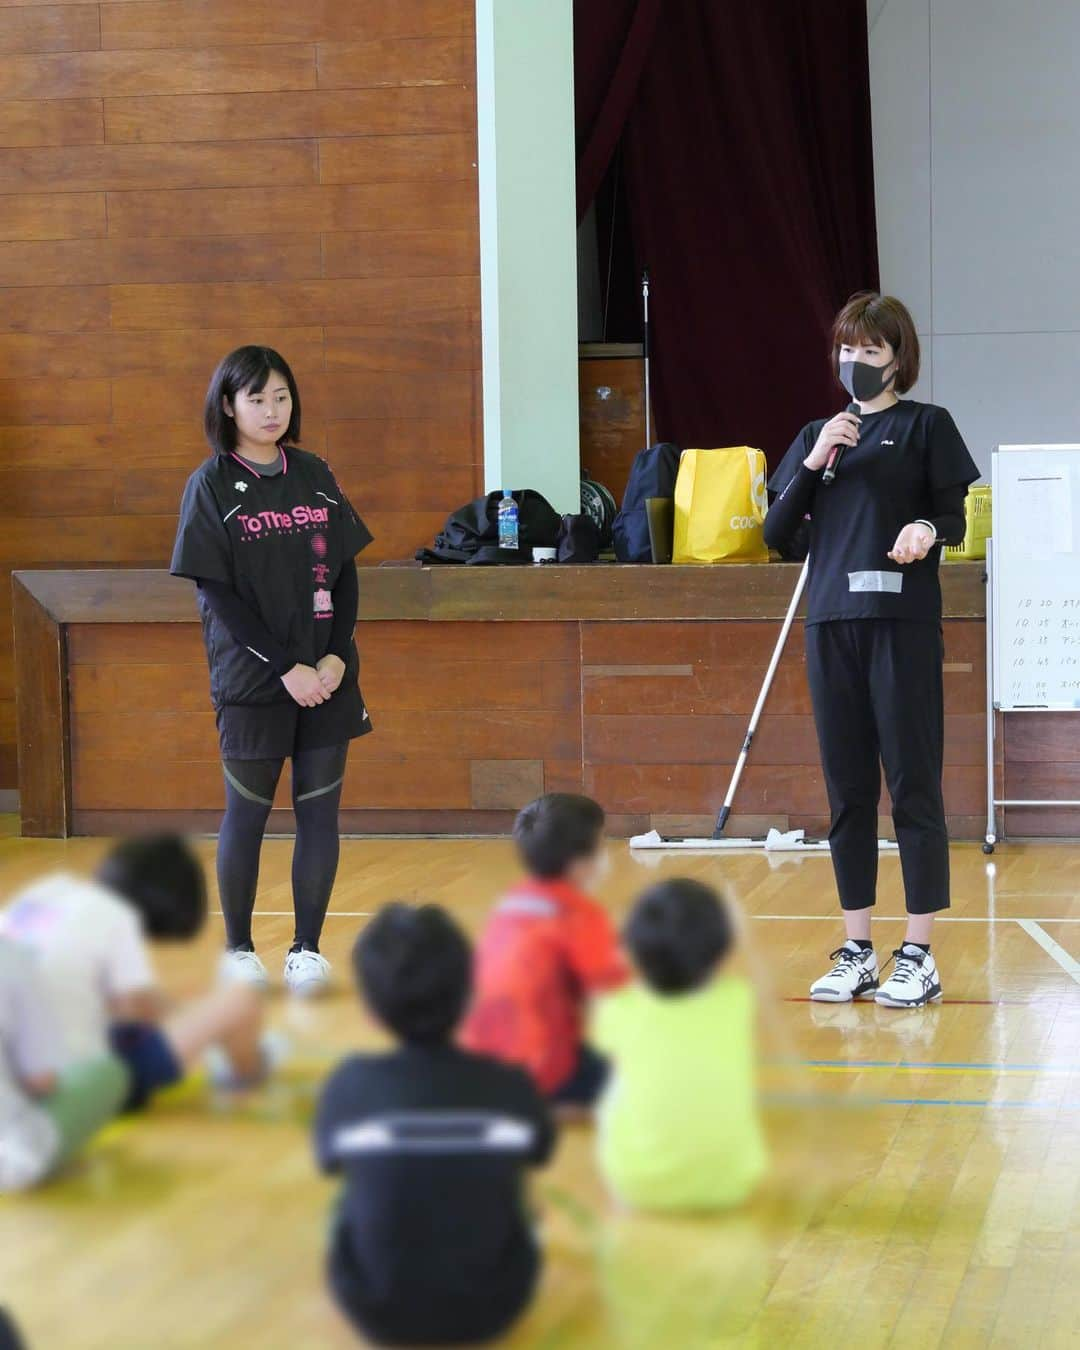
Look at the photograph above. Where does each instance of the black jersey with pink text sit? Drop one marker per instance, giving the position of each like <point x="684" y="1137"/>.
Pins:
<point x="280" y="543"/>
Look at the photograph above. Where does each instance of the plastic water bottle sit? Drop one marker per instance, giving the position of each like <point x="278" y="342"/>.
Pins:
<point x="508" y="521"/>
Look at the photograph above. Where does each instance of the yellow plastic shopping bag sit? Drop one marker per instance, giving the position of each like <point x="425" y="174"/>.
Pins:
<point x="720" y="506"/>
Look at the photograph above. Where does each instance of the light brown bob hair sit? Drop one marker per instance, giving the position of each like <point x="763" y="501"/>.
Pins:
<point x="869" y="318"/>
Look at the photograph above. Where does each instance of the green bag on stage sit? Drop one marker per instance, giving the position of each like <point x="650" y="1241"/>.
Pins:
<point x="720" y="506"/>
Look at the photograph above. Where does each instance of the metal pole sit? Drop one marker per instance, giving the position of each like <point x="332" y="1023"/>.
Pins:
<point x="759" y="706"/>
<point x="991" y="814"/>
<point x="645" y="349"/>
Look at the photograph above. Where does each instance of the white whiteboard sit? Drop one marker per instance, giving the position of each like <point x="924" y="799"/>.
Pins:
<point x="1036" y="576"/>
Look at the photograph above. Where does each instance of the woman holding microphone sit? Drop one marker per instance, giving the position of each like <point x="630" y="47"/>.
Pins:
<point x="899" y="474"/>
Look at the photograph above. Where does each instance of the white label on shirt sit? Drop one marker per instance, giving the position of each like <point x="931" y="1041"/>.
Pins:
<point x="892" y="583"/>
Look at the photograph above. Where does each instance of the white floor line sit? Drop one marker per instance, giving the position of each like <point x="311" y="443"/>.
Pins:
<point x="898" y="918"/>
<point x="795" y="918"/>
<point x="288" y="914"/>
<point x="1052" y="948"/>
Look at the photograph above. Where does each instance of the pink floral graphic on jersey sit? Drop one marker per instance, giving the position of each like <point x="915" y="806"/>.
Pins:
<point x="324" y="603"/>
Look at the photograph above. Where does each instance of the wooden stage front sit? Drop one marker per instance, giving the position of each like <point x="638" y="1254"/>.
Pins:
<point x="488" y="686"/>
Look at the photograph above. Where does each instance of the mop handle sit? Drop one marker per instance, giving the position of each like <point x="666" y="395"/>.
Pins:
<point x="646" y="354"/>
<point x="759" y="706"/>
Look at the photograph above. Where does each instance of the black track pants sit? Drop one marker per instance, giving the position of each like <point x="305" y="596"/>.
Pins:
<point x="876" y="688"/>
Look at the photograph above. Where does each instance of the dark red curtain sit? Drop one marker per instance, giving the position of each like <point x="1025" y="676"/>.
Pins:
<point x="747" y="160"/>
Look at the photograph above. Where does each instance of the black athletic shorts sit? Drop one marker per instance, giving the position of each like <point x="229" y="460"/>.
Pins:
<point x="282" y="729"/>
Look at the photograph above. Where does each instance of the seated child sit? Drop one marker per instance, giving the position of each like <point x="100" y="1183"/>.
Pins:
<point x="432" y="1242"/>
<point x="47" y="1112"/>
<point x="547" y="946"/>
<point x="678" y="1124"/>
<point x="88" y="937"/>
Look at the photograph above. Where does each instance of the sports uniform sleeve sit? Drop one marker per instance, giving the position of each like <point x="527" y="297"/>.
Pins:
<point x="603" y="1022"/>
<point x="127" y="968"/>
<point x="245" y="626"/>
<point x="355" y="535"/>
<point x="795" y="486"/>
<point x="593" y="951"/>
<point x="36" y="1043"/>
<point x="329" y="1115"/>
<point x="536" y="1110"/>
<point x="202" y="551"/>
<point x="948" y="461"/>
<point x="947" y="514"/>
<point x="346" y="595"/>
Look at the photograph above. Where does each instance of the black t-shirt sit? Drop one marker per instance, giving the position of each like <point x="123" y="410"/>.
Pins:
<point x="906" y="455"/>
<point x="432" y="1228"/>
<point x="279" y="542"/>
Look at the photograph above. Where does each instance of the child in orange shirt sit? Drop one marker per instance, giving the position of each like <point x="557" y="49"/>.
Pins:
<point x="546" y="948"/>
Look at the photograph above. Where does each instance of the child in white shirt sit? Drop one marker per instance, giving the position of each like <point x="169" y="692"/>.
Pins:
<point x="89" y="940"/>
<point x="47" y="1111"/>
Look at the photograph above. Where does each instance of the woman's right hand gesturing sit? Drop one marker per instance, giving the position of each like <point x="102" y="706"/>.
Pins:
<point x="305" y="686"/>
<point x="843" y="429"/>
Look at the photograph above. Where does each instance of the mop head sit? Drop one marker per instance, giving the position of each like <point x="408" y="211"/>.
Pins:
<point x="776" y="841"/>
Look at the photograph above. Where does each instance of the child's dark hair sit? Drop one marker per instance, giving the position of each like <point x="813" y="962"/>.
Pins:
<point x="162" y="878"/>
<point x="245" y="370"/>
<point x="557" y="830"/>
<point x="413" y="965"/>
<point x="677" y="932"/>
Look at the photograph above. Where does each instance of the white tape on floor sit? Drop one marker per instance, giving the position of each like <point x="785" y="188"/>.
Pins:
<point x="1067" y="963"/>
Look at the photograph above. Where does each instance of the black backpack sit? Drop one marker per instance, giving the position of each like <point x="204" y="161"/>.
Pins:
<point x="471" y="533"/>
<point x="652" y="474"/>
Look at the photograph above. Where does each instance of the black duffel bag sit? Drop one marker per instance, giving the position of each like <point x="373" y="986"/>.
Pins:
<point x="471" y="533"/>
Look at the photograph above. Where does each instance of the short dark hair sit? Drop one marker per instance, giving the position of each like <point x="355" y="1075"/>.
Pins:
<point x="557" y="830"/>
<point x="245" y="370"/>
<point x="413" y="965"/>
<point x="677" y="932"/>
<point x="870" y="317"/>
<point x="160" y="876"/>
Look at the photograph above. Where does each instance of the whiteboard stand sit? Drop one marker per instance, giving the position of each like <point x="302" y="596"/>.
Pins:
<point x="1053" y="581"/>
<point x="991" y="802"/>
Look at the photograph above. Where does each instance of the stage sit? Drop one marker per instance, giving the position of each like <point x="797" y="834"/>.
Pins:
<point x="486" y="687"/>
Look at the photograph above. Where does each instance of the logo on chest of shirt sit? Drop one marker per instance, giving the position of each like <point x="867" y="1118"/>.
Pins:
<point x="277" y="522"/>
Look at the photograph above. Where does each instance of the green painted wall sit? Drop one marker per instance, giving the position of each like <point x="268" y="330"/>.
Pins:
<point x="528" y="260"/>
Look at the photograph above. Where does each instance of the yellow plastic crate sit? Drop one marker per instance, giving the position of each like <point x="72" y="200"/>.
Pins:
<point x="978" y="510"/>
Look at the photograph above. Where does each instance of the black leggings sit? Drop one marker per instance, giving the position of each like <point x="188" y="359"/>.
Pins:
<point x="250" y="784"/>
<point x="876" y="687"/>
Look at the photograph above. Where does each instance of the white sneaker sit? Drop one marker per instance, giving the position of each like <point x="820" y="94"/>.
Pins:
<point x="241" y="967"/>
<point x="274" y="1051"/>
<point x="855" y="975"/>
<point x="307" y="974"/>
<point x="914" y="981"/>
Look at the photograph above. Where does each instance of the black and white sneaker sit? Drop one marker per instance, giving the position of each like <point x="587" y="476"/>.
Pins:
<point x="913" y="982"/>
<point x="855" y="975"/>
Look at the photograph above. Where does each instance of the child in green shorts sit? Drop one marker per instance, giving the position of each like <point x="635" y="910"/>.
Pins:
<point x="47" y="1112"/>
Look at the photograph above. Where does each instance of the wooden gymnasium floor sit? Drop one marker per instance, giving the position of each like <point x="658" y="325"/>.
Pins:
<point x="925" y="1192"/>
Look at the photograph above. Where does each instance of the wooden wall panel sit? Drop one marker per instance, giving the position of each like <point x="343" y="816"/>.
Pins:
<point x="180" y="177"/>
<point x="324" y="112"/>
<point x="61" y="122"/>
<point x="476" y="716"/>
<point x="52" y="215"/>
<point x="611" y="393"/>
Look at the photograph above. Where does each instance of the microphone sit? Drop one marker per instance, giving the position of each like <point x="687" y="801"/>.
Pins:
<point x="837" y="453"/>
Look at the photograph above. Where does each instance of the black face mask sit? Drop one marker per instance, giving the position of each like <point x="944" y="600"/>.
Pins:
<point x="863" y="381"/>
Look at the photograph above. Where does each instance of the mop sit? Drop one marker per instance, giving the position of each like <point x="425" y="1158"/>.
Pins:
<point x="776" y="841"/>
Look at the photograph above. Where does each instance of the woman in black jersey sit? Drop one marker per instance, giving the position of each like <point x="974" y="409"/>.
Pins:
<point x="270" y="539"/>
<point x="873" y="632"/>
